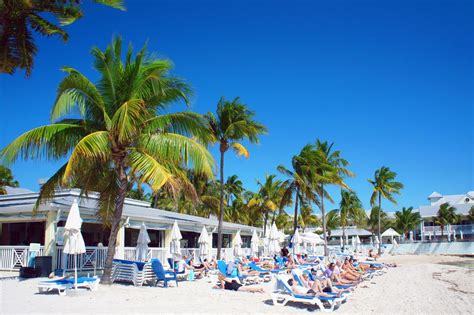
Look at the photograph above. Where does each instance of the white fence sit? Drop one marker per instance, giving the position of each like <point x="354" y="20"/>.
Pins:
<point x="14" y="257"/>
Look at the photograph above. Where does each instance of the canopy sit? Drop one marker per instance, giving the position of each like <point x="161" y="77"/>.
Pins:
<point x="274" y="240"/>
<point x="204" y="242"/>
<point x="311" y="238"/>
<point x="296" y="241"/>
<point x="141" y="251"/>
<point x="254" y="243"/>
<point x="73" y="241"/>
<point x="390" y="232"/>
<point x="237" y="244"/>
<point x="175" y="248"/>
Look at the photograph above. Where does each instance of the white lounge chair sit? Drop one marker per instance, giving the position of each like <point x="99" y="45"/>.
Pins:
<point x="63" y="285"/>
<point x="287" y="295"/>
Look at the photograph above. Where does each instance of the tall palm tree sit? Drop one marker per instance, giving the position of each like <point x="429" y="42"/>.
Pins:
<point x="446" y="215"/>
<point x="350" y="208"/>
<point x="406" y="220"/>
<point x="20" y="18"/>
<point x="329" y="168"/>
<point x="6" y="179"/>
<point x="298" y="183"/>
<point x="120" y="132"/>
<point x="385" y="187"/>
<point x="232" y="123"/>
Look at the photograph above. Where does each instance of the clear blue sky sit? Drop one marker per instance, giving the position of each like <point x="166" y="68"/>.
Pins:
<point x="390" y="82"/>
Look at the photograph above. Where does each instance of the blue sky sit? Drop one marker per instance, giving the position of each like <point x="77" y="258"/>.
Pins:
<point x="389" y="83"/>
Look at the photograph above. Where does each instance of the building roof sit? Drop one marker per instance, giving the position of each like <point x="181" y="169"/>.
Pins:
<point x="135" y="212"/>
<point x="16" y="190"/>
<point x="435" y="194"/>
<point x="431" y="211"/>
<point x="350" y="231"/>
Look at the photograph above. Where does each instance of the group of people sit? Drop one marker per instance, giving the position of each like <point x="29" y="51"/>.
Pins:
<point x="329" y="279"/>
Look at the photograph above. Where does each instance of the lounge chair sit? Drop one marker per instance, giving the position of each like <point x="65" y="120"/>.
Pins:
<point x="132" y="271"/>
<point x="287" y="295"/>
<point x="256" y="267"/>
<point x="297" y="274"/>
<point x="161" y="274"/>
<point x="63" y="285"/>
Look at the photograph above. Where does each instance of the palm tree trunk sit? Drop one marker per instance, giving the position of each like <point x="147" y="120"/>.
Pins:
<point x="323" y="215"/>
<point x="274" y="217"/>
<point x="343" y="237"/>
<point x="295" y="218"/>
<point x="115" y="224"/>
<point x="221" y="209"/>
<point x="265" y="222"/>
<point x="378" y="232"/>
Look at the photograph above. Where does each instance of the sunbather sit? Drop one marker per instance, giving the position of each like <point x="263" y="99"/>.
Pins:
<point x="233" y="285"/>
<point x="314" y="290"/>
<point x="334" y="273"/>
<point x="373" y="255"/>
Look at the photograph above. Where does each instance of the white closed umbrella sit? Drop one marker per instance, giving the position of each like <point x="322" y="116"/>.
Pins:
<point x="353" y="242"/>
<point x="254" y="243"/>
<point x="296" y="241"/>
<point x="73" y="241"/>
<point x="376" y="240"/>
<point x="175" y="246"/>
<point x="274" y="240"/>
<point x="411" y="236"/>
<point x="237" y="242"/>
<point x="460" y="234"/>
<point x="395" y="244"/>
<point x="358" y="243"/>
<point x="204" y="242"/>
<point x="341" y="242"/>
<point x="141" y="251"/>
<point x="429" y="236"/>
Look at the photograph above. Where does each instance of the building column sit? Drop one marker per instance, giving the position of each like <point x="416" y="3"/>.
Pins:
<point x="50" y="237"/>
<point x="120" y="243"/>
<point x="422" y="231"/>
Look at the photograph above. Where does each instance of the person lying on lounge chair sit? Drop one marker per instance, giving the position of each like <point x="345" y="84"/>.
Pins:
<point x="373" y="255"/>
<point x="247" y="271"/>
<point x="182" y="265"/>
<point x="347" y="268"/>
<point x="334" y="273"/>
<point x="324" y="283"/>
<point x="233" y="285"/>
<point x="315" y="289"/>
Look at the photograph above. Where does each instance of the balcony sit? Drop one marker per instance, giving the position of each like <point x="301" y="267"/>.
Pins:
<point x="436" y="230"/>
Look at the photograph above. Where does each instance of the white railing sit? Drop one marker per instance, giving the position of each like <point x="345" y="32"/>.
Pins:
<point x="93" y="258"/>
<point x="14" y="257"/>
<point x="465" y="228"/>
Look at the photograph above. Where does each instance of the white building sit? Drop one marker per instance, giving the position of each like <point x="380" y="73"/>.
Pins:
<point x="462" y="203"/>
<point x="19" y="227"/>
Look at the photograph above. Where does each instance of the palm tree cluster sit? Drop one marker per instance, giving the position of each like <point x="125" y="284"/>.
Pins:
<point x="6" y="179"/>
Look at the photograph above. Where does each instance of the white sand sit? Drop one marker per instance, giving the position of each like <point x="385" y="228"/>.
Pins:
<point x="418" y="286"/>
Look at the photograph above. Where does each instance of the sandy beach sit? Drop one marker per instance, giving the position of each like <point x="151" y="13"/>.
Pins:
<point x="419" y="285"/>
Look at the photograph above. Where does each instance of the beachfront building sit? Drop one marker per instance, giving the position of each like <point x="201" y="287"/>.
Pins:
<point x="462" y="203"/>
<point x="334" y="237"/>
<point x="20" y="227"/>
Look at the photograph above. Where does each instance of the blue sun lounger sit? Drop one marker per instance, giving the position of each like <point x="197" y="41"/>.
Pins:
<point x="63" y="285"/>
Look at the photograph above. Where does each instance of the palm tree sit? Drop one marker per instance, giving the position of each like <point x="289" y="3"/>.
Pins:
<point x="6" y="179"/>
<point x="307" y="218"/>
<point x="233" y="123"/>
<point x="268" y="198"/>
<point x="18" y="20"/>
<point x="120" y="133"/>
<point x="407" y="220"/>
<point x="232" y="189"/>
<point x="350" y="208"/>
<point x="329" y="169"/>
<point x="446" y="215"/>
<point x="297" y="183"/>
<point x="385" y="186"/>
<point x="373" y="220"/>
<point x="333" y="220"/>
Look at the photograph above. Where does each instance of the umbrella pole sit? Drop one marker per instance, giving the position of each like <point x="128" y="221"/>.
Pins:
<point x="75" y="272"/>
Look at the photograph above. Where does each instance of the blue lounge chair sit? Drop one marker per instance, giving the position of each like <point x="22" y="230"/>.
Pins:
<point x="254" y="266"/>
<point x="161" y="274"/>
